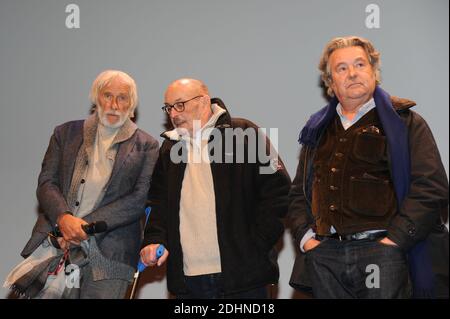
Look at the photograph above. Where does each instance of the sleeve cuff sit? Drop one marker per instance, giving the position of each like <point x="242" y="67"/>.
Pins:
<point x="309" y="234"/>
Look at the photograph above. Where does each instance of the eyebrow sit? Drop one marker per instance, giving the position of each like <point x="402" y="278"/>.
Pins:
<point x="359" y="58"/>
<point x="123" y="94"/>
<point x="167" y="103"/>
<point x="340" y="63"/>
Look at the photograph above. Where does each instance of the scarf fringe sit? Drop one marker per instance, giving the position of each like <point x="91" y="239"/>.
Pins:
<point x="18" y="292"/>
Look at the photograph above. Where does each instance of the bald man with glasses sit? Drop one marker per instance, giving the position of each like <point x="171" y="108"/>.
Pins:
<point x="219" y="220"/>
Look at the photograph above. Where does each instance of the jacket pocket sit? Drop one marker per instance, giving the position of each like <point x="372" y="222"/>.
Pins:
<point x="370" y="196"/>
<point x="369" y="147"/>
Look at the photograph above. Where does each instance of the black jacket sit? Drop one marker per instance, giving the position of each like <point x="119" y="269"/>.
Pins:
<point x="249" y="209"/>
<point x="422" y="213"/>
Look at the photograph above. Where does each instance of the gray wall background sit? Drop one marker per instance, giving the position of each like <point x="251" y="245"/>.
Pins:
<point x="259" y="56"/>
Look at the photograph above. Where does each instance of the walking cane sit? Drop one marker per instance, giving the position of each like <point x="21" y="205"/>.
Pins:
<point x="141" y="267"/>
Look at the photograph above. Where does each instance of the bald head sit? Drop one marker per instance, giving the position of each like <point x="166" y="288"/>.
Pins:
<point x="191" y="87"/>
<point x="194" y="96"/>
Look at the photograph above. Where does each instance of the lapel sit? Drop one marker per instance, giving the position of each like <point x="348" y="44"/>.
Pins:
<point x="175" y="176"/>
<point x="70" y="154"/>
<point x="78" y="155"/>
<point x="397" y="136"/>
<point x="222" y="174"/>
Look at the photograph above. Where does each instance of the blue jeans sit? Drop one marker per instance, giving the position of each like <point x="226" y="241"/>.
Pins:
<point x="210" y="287"/>
<point x="358" y="269"/>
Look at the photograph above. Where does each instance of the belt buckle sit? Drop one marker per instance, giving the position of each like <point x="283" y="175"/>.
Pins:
<point x="360" y="236"/>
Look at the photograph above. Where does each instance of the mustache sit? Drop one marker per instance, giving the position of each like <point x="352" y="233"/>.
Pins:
<point x="177" y="120"/>
<point x="117" y="113"/>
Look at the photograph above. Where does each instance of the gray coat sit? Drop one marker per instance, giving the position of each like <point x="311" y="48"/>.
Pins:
<point x="123" y="198"/>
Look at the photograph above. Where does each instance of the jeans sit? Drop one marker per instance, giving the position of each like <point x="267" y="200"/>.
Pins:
<point x="358" y="269"/>
<point x="210" y="287"/>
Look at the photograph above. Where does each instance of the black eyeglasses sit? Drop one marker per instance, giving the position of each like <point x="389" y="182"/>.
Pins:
<point x="178" y="106"/>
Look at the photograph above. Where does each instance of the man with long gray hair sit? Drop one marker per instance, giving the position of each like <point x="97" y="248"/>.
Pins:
<point x="94" y="170"/>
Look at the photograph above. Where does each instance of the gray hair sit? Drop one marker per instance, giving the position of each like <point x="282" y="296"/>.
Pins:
<point x="345" y="42"/>
<point x="104" y="78"/>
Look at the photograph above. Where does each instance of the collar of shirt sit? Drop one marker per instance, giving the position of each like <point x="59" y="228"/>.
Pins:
<point x="363" y="110"/>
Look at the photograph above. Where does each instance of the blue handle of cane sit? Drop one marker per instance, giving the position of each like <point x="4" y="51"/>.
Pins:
<point x="159" y="252"/>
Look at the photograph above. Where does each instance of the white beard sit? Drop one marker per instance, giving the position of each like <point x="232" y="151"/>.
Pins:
<point x="103" y="117"/>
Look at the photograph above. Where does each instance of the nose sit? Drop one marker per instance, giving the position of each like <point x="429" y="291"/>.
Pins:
<point x="173" y="116"/>
<point x="351" y="71"/>
<point x="171" y="113"/>
<point x="114" y="104"/>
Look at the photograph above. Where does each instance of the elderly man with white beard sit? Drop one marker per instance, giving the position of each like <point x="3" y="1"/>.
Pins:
<point x="98" y="169"/>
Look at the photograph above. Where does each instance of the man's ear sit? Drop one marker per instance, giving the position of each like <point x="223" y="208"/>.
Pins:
<point x="332" y="85"/>
<point x="206" y="98"/>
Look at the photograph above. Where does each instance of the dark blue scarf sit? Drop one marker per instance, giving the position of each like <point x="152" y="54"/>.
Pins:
<point x="397" y="137"/>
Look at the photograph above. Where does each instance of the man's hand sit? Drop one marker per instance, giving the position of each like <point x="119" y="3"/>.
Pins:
<point x="148" y="255"/>
<point x="387" y="241"/>
<point x="63" y="244"/>
<point x="70" y="227"/>
<point x="310" y="244"/>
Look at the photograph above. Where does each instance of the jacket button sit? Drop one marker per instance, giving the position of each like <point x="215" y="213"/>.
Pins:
<point x="342" y="140"/>
<point x="82" y="181"/>
<point x="334" y="169"/>
<point x="339" y="155"/>
<point x="77" y="203"/>
<point x="412" y="231"/>
<point x="333" y="188"/>
<point x="333" y="208"/>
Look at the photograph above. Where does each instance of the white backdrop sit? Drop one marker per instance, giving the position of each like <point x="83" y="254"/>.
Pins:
<point x="259" y="56"/>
